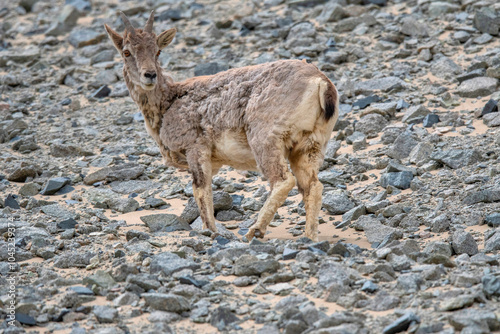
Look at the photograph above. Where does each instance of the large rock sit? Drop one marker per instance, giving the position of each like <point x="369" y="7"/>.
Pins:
<point x="493" y="243"/>
<point x="19" y="56"/>
<point x="487" y="21"/>
<point x="456" y="158"/>
<point x="471" y="317"/>
<point x="337" y="202"/>
<point x="415" y="114"/>
<point x="166" y="302"/>
<point x="411" y="27"/>
<point x="445" y="68"/>
<point x="165" y="222"/>
<point x="249" y="265"/>
<point x="169" y="263"/>
<point x="85" y="36"/>
<point x="464" y="243"/>
<point x="53" y="185"/>
<point x="371" y="125"/>
<point x="477" y="87"/>
<point x="492" y="119"/>
<point x="401" y="180"/>
<point x="23" y="171"/>
<point x="128" y="171"/>
<point x="486" y="196"/>
<point x="210" y="68"/>
<point x="403" y="145"/>
<point x="383" y="84"/>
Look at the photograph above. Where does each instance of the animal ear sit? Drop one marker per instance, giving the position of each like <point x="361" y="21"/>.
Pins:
<point x="115" y="38"/>
<point x="165" y="38"/>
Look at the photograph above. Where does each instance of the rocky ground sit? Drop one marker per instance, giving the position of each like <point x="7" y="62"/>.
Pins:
<point x="108" y="240"/>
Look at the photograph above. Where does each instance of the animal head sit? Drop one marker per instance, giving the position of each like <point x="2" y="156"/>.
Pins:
<point x="140" y="49"/>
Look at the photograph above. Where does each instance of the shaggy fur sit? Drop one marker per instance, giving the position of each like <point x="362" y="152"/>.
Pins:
<point x="253" y="118"/>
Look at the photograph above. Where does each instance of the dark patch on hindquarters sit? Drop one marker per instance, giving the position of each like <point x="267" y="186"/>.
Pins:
<point x="330" y="101"/>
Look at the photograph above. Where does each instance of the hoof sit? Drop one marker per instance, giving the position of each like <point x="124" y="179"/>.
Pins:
<point x="214" y="235"/>
<point x="314" y="238"/>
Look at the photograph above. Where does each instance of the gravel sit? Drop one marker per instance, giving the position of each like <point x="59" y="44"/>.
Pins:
<point x="408" y="229"/>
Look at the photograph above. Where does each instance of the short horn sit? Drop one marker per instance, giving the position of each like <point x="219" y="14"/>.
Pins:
<point x="130" y="28"/>
<point x="149" y="24"/>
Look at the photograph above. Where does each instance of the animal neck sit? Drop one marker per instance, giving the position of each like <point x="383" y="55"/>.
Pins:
<point x="153" y="103"/>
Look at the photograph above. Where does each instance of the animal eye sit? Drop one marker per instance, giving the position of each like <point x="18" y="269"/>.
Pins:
<point x="158" y="53"/>
<point x="126" y="53"/>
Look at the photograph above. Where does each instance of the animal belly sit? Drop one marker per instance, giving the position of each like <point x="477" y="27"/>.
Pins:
<point x="232" y="149"/>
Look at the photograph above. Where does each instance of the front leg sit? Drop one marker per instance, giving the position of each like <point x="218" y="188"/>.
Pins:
<point x="200" y="166"/>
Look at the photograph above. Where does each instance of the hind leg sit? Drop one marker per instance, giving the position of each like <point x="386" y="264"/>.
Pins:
<point x="274" y="166"/>
<point x="305" y="167"/>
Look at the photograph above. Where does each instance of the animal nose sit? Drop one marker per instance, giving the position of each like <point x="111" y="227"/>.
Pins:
<point x="150" y="75"/>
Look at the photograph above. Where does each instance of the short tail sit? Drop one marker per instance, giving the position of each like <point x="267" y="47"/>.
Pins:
<point x="329" y="100"/>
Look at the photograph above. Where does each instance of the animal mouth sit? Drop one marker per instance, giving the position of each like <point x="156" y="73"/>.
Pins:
<point x="148" y="86"/>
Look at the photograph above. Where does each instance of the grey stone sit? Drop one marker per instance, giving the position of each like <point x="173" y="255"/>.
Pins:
<point x="53" y="185"/>
<point x="332" y="12"/>
<point x="415" y="114"/>
<point x="337" y="202"/>
<point x="430" y="120"/>
<point x="210" y="68"/>
<point x="166" y="302"/>
<point x="491" y="285"/>
<point x="402" y="146"/>
<point x="493" y="242"/>
<point x="73" y="259"/>
<point x="420" y="154"/>
<point x="105" y="55"/>
<point x="456" y="158"/>
<point x="483" y="39"/>
<point x="29" y="189"/>
<point x="249" y="265"/>
<point x="19" y="56"/>
<point x="169" y="263"/>
<point x="401" y="180"/>
<point x="486" y="196"/>
<point x="402" y="323"/>
<point x="334" y="273"/>
<point x="128" y="171"/>
<point x="477" y="87"/>
<point x="492" y="120"/>
<point x="493" y="219"/>
<point x="464" y="243"/>
<point x="471" y="317"/>
<point x="348" y="24"/>
<point x="411" y="27"/>
<point x="383" y="84"/>
<point x="487" y="21"/>
<point x="85" y="36"/>
<point x="331" y="150"/>
<point x="165" y="222"/>
<point x="445" y="68"/>
<point x="123" y="205"/>
<point x="222" y="317"/>
<point x="105" y="314"/>
<point x="440" y="224"/>
<point x="440" y="8"/>
<point x="69" y="15"/>
<point x="371" y="125"/>
<point x="376" y="232"/>
<point x="490" y="107"/>
<point x="22" y="171"/>
<point x="357" y="140"/>
<point x="81" y="5"/>
<point x="101" y="279"/>
<point x="461" y="36"/>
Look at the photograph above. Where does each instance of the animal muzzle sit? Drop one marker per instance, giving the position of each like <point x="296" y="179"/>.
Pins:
<point x="149" y="78"/>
